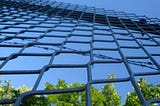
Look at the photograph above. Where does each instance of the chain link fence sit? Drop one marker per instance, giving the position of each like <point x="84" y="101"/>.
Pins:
<point x="87" y="44"/>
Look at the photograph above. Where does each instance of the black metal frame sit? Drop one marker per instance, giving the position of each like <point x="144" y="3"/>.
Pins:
<point x="24" y="16"/>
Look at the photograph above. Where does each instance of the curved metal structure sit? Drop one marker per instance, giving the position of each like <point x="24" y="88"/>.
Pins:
<point x="38" y="37"/>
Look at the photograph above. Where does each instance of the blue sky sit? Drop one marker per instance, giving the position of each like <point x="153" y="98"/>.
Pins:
<point x="149" y="8"/>
<point x="99" y="71"/>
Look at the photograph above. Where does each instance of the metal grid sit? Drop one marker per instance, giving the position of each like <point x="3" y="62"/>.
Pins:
<point x="83" y="33"/>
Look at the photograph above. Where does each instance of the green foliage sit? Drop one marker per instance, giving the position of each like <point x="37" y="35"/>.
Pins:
<point x="66" y="99"/>
<point x="107" y="96"/>
<point x="35" y="101"/>
<point x="150" y="91"/>
<point x="112" y="97"/>
<point x="7" y="91"/>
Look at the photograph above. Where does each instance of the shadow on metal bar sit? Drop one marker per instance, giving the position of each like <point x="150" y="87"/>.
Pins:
<point x="141" y="31"/>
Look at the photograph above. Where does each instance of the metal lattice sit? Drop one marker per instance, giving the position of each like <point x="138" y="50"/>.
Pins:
<point x="64" y="36"/>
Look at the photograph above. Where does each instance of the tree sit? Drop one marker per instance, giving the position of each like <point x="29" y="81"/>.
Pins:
<point x="65" y="99"/>
<point x="112" y="97"/>
<point x="150" y="91"/>
<point x="7" y="91"/>
<point x="107" y="97"/>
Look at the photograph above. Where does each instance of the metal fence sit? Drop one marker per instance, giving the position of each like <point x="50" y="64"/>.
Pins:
<point x="38" y="36"/>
